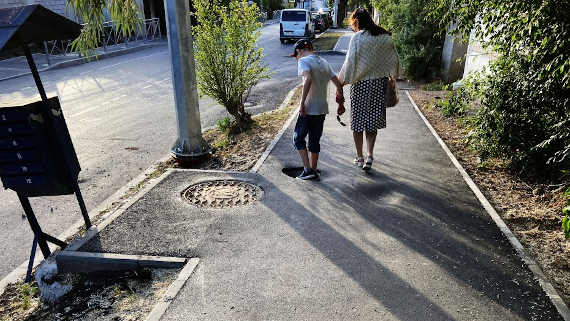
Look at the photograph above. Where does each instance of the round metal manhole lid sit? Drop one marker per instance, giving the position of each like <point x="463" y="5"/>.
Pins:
<point x="222" y="194"/>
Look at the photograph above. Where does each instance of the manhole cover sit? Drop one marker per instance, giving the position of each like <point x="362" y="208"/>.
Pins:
<point x="222" y="194"/>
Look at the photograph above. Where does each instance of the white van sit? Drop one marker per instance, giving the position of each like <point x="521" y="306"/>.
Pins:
<point x="296" y="24"/>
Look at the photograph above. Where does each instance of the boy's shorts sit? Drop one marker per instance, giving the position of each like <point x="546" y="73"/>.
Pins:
<point x="311" y="125"/>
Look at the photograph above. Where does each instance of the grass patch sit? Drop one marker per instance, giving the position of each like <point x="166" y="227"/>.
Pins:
<point x="327" y="41"/>
<point x="126" y="295"/>
<point x="436" y="86"/>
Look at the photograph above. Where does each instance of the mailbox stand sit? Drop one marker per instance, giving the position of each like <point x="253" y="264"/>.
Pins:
<point x="37" y="157"/>
<point x="47" y="120"/>
<point x="43" y="95"/>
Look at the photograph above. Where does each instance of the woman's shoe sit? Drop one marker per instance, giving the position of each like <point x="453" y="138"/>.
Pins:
<point x="368" y="165"/>
<point x="359" y="162"/>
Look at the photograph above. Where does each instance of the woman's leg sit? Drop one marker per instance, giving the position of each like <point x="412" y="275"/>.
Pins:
<point x="370" y="141"/>
<point x="358" y="143"/>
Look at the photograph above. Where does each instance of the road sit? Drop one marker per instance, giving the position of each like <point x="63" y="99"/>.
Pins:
<point x="120" y="114"/>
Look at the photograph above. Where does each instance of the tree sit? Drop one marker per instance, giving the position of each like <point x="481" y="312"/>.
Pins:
<point x="124" y="13"/>
<point x="525" y="113"/>
<point x="341" y="12"/>
<point x="228" y="61"/>
<point x="417" y="38"/>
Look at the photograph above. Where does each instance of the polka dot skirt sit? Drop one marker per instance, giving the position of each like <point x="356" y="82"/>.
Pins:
<point x="367" y="105"/>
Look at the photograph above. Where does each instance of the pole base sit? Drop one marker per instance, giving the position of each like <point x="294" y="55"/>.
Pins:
<point x="193" y="159"/>
<point x="190" y="161"/>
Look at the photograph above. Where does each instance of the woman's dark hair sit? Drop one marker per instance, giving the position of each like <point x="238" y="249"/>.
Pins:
<point x="366" y="23"/>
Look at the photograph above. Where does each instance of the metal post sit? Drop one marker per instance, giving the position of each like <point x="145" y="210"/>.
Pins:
<point x="47" y="53"/>
<point x="35" y="73"/>
<point x="190" y="146"/>
<point x="159" y="31"/>
<point x="34" y="225"/>
<point x="32" y="258"/>
<point x="82" y="207"/>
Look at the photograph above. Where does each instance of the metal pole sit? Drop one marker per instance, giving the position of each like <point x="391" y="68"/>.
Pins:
<point x="190" y="146"/>
<point x="32" y="258"/>
<point x="83" y="208"/>
<point x="34" y="225"/>
<point x="35" y="73"/>
<point x="47" y="53"/>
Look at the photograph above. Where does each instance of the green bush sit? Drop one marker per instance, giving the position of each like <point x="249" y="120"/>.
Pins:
<point x="436" y="86"/>
<point x="522" y="119"/>
<point x="525" y="109"/>
<point x="566" y="219"/>
<point x="417" y="38"/>
<point x="225" y="124"/>
<point x="456" y="103"/>
<point x="228" y="62"/>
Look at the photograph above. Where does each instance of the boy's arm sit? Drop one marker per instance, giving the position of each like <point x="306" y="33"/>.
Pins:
<point x="339" y="95"/>
<point x="306" y="87"/>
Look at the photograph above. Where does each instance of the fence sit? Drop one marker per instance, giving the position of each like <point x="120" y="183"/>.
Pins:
<point x="111" y="37"/>
<point x="269" y="15"/>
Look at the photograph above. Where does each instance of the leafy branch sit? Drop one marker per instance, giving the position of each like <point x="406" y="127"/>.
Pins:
<point x="125" y="14"/>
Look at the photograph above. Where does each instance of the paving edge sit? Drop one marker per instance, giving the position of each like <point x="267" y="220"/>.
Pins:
<point x="106" y="219"/>
<point x="277" y="137"/>
<point x="173" y="290"/>
<point x="85" y="262"/>
<point x="531" y="264"/>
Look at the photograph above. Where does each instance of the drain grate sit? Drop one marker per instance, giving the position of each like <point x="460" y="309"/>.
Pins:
<point x="222" y="194"/>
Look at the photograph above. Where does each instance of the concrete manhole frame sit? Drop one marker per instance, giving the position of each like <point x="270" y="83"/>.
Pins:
<point x="222" y="193"/>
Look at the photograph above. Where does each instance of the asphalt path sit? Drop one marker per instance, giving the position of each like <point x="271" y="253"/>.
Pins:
<point x="120" y="114"/>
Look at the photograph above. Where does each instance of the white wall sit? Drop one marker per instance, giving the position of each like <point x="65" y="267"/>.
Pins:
<point x="477" y="58"/>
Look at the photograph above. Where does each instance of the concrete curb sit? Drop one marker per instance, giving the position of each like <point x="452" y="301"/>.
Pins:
<point x="173" y="290"/>
<point x="277" y="137"/>
<point x="85" y="262"/>
<point x="106" y="219"/>
<point x="84" y="60"/>
<point x="532" y="265"/>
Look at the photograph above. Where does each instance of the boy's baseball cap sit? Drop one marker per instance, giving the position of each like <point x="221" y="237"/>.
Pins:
<point x="301" y="44"/>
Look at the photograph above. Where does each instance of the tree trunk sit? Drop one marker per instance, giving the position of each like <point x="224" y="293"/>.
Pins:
<point x="242" y="118"/>
<point x="341" y="14"/>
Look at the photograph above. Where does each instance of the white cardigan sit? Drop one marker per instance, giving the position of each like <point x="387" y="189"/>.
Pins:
<point x="369" y="57"/>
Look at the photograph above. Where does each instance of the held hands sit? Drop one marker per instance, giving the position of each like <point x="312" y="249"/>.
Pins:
<point x="340" y="101"/>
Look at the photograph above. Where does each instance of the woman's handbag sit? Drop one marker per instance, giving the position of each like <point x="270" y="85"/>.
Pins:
<point x="391" y="92"/>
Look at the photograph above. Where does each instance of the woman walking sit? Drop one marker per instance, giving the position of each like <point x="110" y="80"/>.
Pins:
<point x="370" y="59"/>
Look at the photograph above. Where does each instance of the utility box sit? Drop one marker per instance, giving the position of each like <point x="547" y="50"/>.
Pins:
<point x="37" y="157"/>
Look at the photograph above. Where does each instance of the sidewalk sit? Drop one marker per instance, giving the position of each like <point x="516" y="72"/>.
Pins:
<point x="18" y="66"/>
<point x="407" y="241"/>
<point x="343" y="42"/>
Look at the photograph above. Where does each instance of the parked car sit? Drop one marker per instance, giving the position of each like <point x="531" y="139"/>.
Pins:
<point x="296" y="24"/>
<point x="321" y="23"/>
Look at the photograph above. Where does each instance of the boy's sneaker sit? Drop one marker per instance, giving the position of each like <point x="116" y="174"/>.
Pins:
<point x="308" y="173"/>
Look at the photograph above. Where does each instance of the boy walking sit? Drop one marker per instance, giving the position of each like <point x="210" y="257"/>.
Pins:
<point x="316" y="74"/>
